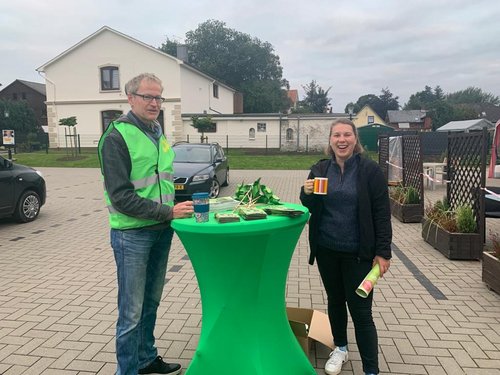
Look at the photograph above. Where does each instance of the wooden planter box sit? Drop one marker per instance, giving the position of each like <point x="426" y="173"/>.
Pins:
<point x="467" y="246"/>
<point x="407" y="213"/>
<point x="491" y="271"/>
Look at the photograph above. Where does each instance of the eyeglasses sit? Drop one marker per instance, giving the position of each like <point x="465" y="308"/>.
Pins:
<point x="149" y="98"/>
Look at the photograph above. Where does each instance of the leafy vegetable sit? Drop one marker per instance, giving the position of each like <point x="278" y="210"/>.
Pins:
<point x="255" y="193"/>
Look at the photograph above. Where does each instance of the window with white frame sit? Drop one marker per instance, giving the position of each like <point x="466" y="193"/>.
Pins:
<point x="216" y="90"/>
<point x="261" y="127"/>
<point x="251" y="134"/>
<point x="371" y="119"/>
<point x="110" y="78"/>
<point x="107" y="117"/>
<point x="161" y="121"/>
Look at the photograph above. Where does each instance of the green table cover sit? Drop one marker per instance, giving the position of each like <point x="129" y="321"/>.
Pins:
<point x="241" y="269"/>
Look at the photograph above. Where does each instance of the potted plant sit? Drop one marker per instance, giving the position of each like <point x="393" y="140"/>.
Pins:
<point x="405" y="204"/>
<point x="454" y="233"/>
<point x="491" y="263"/>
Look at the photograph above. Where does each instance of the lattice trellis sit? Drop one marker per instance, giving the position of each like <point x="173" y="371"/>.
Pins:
<point x="412" y="164"/>
<point x="466" y="162"/>
<point x="411" y="161"/>
<point x="383" y="154"/>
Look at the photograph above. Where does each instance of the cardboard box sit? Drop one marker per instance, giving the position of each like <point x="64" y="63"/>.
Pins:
<point x="308" y="325"/>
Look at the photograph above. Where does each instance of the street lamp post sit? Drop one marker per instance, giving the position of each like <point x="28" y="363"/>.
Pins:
<point x="9" y="147"/>
<point x="350" y="110"/>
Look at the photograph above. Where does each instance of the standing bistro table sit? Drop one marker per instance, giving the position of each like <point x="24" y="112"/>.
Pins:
<point x="241" y="269"/>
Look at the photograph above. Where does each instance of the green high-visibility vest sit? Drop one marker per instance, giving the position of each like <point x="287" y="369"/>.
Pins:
<point x="151" y="174"/>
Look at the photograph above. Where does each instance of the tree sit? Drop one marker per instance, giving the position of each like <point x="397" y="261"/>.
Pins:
<point x="424" y="99"/>
<point x="203" y="124"/>
<point x="472" y="95"/>
<point x="434" y="102"/>
<point x="370" y="99"/>
<point x="170" y="47"/>
<point x="18" y="116"/>
<point x="443" y="108"/>
<point x="316" y="99"/>
<point x="441" y="113"/>
<point x="380" y="104"/>
<point x="70" y="122"/>
<point x="236" y="59"/>
<point x="388" y="102"/>
<point x="265" y="97"/>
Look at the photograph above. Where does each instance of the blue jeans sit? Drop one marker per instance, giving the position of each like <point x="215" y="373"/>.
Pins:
<point x="141" y="257"/>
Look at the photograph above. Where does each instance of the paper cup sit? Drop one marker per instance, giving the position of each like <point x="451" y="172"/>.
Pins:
<point x="201" y="207"/>
<point x="320" y="185"/>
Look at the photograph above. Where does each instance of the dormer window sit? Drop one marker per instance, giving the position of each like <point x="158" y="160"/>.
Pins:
<point x="110" y="78"/>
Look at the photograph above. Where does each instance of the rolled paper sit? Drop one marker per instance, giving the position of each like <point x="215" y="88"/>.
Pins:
<point x="366" y="286"/>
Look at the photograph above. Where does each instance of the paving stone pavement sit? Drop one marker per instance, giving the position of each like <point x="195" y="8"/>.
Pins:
<point x="58" y="292"/>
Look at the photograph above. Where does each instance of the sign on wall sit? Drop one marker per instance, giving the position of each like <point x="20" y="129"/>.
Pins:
<point x="8" y="137"/>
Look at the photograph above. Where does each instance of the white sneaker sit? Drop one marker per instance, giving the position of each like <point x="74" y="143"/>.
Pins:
<point x="337" y="359"/>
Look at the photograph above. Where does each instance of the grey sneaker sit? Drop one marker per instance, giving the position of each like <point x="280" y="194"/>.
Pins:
<point x="337" y="359"/>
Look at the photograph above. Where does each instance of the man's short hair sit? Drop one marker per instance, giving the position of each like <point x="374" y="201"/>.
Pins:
<point x="132" y="86"/>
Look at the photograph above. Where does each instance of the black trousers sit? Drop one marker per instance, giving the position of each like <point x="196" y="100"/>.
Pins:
<point x="341" y="274"/>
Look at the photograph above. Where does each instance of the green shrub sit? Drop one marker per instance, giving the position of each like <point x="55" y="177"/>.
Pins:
<point x="460" y="220"/>
<point x="412" y="196"/>
<point x="405" y="195"/>
<point x="466" y="222"/>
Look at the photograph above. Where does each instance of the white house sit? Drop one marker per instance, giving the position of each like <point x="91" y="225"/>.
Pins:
<point x="285" y="132"/>
<point x="88" y="79"/>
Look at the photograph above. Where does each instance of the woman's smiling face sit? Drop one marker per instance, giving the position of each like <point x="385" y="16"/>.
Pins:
<point x="342" y="141"/>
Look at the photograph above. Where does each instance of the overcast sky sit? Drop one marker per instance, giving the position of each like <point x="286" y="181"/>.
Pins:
<point x="355" y="47"/>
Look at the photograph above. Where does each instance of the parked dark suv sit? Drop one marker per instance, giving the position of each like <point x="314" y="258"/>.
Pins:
<point x="199" y="168"/>
<point x="22" y="191"/>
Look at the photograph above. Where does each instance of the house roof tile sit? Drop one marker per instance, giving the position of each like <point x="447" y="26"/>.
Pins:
<point x="406" y="116"/>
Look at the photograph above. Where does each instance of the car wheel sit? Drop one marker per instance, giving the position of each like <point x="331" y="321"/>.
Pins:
<point x="214" y="189"/>
<point x="227" y="179"/>
<point x="28" y="207"/>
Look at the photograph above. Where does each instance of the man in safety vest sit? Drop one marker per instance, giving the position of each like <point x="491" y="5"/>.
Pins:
<point x="136" y="163"/>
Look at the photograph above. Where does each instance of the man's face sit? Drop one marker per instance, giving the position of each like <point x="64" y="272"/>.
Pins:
<point x="146" y="111"/>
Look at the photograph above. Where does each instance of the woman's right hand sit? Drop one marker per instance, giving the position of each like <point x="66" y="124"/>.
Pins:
<point x="309" y="186"/>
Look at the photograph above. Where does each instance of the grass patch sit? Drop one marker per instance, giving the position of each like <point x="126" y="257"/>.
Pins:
<point x="238" y="159"/>
<point x="59" y="158"/>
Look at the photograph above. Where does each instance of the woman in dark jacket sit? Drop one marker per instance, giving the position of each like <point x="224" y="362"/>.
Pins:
<point x="349" y="232"/>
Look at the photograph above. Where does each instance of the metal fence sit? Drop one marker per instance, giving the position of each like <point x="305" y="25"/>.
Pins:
<point x="432" y="143"/>
<point x="28" y="142"/>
